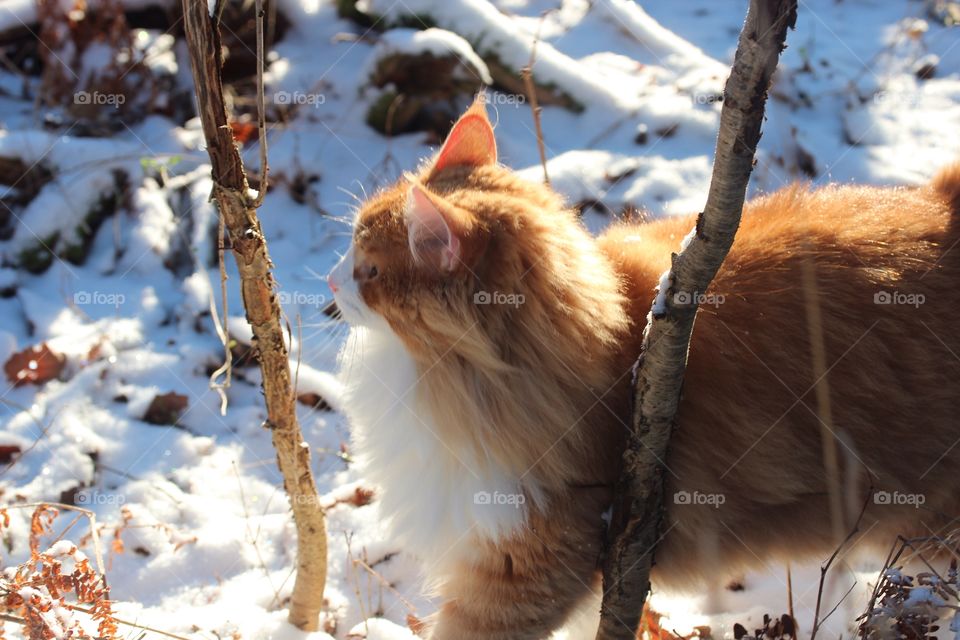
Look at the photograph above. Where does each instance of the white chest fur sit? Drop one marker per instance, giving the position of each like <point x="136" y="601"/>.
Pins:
<point x="437" y="500"/>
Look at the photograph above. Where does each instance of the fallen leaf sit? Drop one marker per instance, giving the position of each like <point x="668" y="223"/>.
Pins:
<point x="361" y="497"/>
<point x="313" y="400"/>
<point x="8" y="452"/>
<point x="69" y="496"/>
<point x="244" y="132"/>
<point x="34" y="365"/>
<point x="166" y="409"/>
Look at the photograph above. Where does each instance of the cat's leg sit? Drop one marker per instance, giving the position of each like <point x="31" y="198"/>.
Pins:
<point x="523" y="588"/>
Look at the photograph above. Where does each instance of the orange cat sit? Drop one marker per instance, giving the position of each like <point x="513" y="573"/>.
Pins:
<point x="488" y="379"/>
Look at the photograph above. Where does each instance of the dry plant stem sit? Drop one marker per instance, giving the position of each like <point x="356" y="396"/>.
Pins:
<point x="94" y="531"/>
<point x="527" y="74"/>
<point x="638" y="503"/>
<point x="18" y="620"/>
<point x="817" y="621"/>
<point x="220" y="324"/>
<point x="263" y="313"/>
<point x="261" y="109"/>
<point x="822" y="391"/>
<point x="796" y="628"/>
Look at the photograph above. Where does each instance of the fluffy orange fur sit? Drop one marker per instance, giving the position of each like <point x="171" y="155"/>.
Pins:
<point x="542" y="386"/>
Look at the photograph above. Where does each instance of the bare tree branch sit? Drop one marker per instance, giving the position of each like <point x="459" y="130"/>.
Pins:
<point x="638" y="505"/>
<point x="238" y="211"/>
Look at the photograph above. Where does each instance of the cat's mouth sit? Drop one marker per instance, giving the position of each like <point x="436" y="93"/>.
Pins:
<point x="354" y="310"/>
<point x="349" y="311"/>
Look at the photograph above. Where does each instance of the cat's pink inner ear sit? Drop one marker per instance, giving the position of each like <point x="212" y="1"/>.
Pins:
<point x="431" y="239"/>
<point x="471" y="141"/>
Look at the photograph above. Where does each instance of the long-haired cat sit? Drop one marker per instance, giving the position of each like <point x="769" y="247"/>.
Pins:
<point x="488" y="379"/>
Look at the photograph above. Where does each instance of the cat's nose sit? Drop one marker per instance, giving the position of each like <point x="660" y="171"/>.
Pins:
<point x="330" y="283"/>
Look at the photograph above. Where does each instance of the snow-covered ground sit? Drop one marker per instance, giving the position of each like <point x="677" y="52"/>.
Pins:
<point x="208" y="541"/>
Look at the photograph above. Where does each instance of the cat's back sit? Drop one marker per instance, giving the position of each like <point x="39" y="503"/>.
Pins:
<point x="886" y="265"/>
<point x="857" y="236"/>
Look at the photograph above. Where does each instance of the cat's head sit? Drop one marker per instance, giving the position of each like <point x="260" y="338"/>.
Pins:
<point x="462" y="250"/>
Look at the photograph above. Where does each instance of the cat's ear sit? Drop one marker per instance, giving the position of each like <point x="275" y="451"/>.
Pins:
<point x="471" y="141"/>
<point x="434" y="230"/>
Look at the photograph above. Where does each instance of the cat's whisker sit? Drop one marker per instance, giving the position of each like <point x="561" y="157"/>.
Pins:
<point x="363" y="189"/>
<point x="350" y="193"/>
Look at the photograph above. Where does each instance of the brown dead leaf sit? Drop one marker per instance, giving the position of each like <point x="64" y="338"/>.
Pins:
<point x="34" y="365"/>
<point x="313" y="400"/>
<point x="361" y="497"/>
<point x="244" y="132"/>
<point x="8" y="452"/>
<point x="69" y="496"/>
<point x="166" y="409"/>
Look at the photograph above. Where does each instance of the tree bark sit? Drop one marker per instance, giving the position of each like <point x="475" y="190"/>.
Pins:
<point x="257" y="286"/>
<point x="639" y="503"/>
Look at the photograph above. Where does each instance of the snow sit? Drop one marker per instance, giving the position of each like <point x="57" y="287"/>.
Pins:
<point x="437" y="42"/>
<point x="663" y="286"/>
<point x="210" y="546"/>
<point x="380" y="629"/>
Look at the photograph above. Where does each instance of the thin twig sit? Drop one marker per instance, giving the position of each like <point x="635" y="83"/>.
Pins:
<point x="527" y="74"/>
<point x="261" y="110"/>
<point x="43" y="428"/>
<point x="822" y="392"/>
<point x="253" y="537"/>
<point x="128" y="623"/>
<point x="817" y="622"/>
<point x="790" y="601"/>
<point x="220" y="323"/>
<point x="94" y="532"/>
<point x="364" y="565"/>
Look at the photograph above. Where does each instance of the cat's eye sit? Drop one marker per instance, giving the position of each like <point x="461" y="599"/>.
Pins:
<point x="365" y="273"/>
